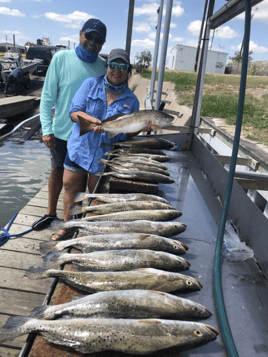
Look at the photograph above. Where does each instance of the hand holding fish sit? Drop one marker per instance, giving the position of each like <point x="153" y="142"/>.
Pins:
<point x="88" y="120"/>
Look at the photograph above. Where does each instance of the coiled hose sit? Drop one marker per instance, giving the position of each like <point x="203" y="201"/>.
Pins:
<point x="220" y="308"/>
<point x="4" y="237"/>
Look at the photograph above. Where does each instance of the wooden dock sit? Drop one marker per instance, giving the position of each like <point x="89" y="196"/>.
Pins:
<point x="18" y="294"/>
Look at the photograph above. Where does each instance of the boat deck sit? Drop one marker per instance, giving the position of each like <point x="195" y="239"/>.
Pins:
<point x="18" y="294"/>
<point x="244" y="286"/>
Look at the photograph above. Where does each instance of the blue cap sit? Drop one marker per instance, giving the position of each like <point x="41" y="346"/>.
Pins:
<point x="94" y="25"/>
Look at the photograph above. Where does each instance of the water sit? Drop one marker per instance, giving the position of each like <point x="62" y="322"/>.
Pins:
<point x="24" y="170"/>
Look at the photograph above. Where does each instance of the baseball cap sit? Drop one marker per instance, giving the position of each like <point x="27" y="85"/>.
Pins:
<point x="118" y="53"/>
<point x="95" y="25"/>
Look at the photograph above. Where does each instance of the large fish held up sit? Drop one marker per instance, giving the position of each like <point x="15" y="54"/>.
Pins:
<point x="133" y="304"/>
<point x="124" y="335"/>
<point x="129" y="123"/>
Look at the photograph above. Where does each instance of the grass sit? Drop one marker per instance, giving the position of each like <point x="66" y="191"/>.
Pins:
<point x="220" y="99"/>
<point x="134" y="87"/>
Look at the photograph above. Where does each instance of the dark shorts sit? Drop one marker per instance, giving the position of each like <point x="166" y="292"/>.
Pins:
<point x="72" y="166"/>
<point x="58" y="153"/>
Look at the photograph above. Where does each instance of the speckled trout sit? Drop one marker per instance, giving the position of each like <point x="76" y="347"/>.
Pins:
<point x="160" y="158"/>
<point x="118" y="197"/>
<point x="118" y="260"/>
<point x="133" y="167"/>
<point x="125" y="304"/>
<point x="145" y="176"/>
<point x="129" y="123"/>
<point x="164" y="229"/>
<point x="150" y="143"/>
<point x="151" y="215"/>
<point x="100" y="242"/>
<point x="123" y="335"/>
<point x="145" y="279"/>
<point x="120" y="207"/>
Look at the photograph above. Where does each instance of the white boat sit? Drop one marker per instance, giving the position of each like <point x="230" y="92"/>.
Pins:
<point x="12" y="59"/>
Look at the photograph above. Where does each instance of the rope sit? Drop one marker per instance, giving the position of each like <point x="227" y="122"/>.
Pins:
<point x="5" y="236"/>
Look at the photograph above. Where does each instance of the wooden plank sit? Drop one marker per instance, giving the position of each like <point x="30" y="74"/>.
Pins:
<point x="15" y="279"/>
<point x="15" y="344"/>
<point x="18" y="302"/>
<point x="9" y="351"/>
<point x="38" y="212"/>
<point x="223" y="159"/>
<point x="42" y="202"/>
<point x="44" y="194"/>
<point x="43" y="235"/>
<point x="12" y="259"/>
<point x="133" y="186"/>
<point x="252" y="184"/>
<point x="23" y="245"/>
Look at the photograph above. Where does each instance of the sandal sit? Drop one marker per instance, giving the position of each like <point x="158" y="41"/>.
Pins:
<point x="63" y="236"/>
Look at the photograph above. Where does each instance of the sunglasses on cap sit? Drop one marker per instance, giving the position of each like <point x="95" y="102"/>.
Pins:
<point x="122" y="66"/>
<point x="98" y="40"/>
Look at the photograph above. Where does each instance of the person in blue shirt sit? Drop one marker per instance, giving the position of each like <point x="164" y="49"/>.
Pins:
<point x="14" y="77"/>
<point x="96" y="100"/>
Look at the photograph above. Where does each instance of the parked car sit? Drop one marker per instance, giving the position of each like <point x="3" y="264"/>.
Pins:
<point x="41" y="52"/>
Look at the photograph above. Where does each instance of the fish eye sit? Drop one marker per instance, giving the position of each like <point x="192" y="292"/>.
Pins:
<point x="175" y="247"/>
<point x="195" y="308"/>
<point x="188" y="282"/>
<point x="198" y="333"/>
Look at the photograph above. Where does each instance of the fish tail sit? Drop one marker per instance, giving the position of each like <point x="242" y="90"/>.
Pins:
<point x="39" y="312"/>
<point x="103" y="161"/>
<point x="85" y="125"/>
<point x="76" y="210"/>
<point x="36" y="272"/>
<point x="14" y="327"/>
<point x="81" y="196"/>
<point x="56" y="225"/>
<point x="53" y="259"/>
<point x="47" y="247"/>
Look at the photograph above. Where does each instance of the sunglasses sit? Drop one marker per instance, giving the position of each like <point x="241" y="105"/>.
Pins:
<point x="123" y="67"/>
<point x="98" y="40"/>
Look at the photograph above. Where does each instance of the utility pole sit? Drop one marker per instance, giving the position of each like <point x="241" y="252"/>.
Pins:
<point x="129" y="25"/>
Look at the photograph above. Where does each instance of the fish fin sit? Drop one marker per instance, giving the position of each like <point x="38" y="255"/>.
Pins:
<point x="53" y="259"/>
<point x="36" y="272"/>
<point x="155" y="126"/>
<point x="144" y="236"/>
<point x="56" y="225"/>
<point x="47" y="247"/>
<point x="114" y="117"/>
<point x="111" y="135"/>
<point x="85" y="125"/>
<point x="76" y="210"/>
<point x="38" y="312"/>
<point x="14" y="327"/>
<point x="99" y="174"/>
<point x="81" y="196"/>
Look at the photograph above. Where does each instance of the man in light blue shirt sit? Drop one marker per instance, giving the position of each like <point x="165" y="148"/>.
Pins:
<point x="67" y="71"/>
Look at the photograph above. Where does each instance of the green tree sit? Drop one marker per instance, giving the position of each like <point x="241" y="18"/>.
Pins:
<point x="144" y="58"/>
<point x="238" y="57"/>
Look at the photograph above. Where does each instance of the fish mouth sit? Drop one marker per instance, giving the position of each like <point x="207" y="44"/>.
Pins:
<point x="213" y="330"/>
<point x="207" y="311"/>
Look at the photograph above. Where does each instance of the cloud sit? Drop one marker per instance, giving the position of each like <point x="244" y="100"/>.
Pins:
<point x="141" y="27"/>
<point x="259" y="12"/>
<point x="5" y="0"/>
<point x="13" y="12"/>
<point x="35" y="16"/>
<point x="143" y="43"/>
<point x="252" y="47"/>
<point x="225" y="32"/>
<point x="74" y="20"/>
<point x="221" y="32"/>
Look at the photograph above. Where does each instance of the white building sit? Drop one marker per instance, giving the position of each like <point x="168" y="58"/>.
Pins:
<point x="183" y="58"/>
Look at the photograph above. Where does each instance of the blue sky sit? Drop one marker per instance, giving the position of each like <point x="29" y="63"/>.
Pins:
<point x="61" y="20"/>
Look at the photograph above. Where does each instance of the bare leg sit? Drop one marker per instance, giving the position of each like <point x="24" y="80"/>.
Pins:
<point x="92" y="182"/>
<point x="55" y="184"/>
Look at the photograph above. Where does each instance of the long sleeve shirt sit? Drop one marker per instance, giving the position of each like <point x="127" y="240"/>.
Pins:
<point x="64" y="77"/>
<point x="85" y="150"/>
